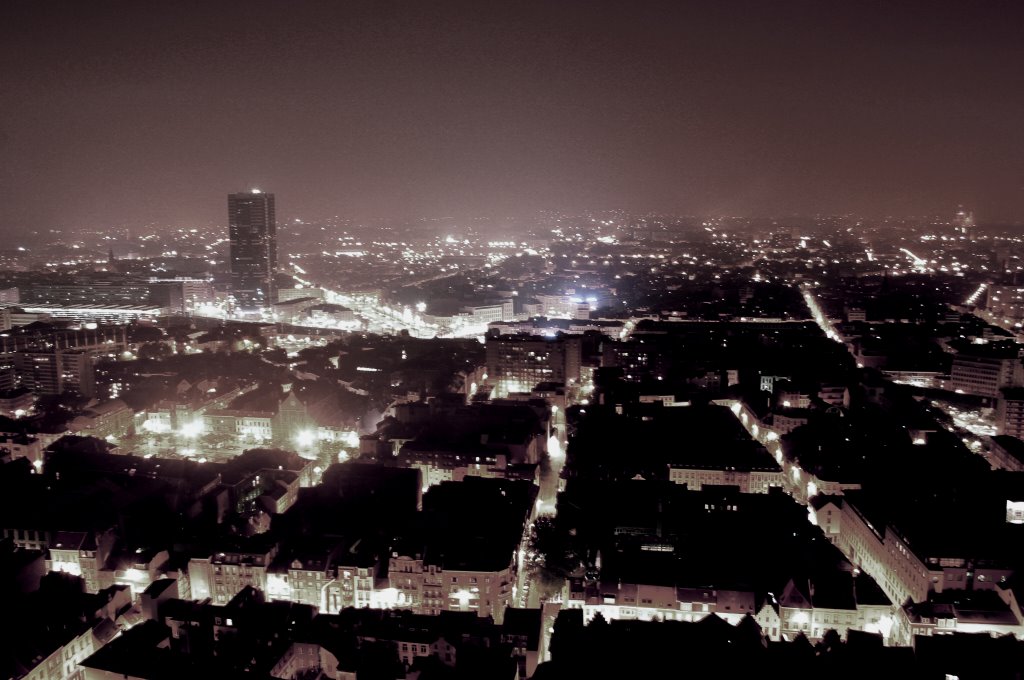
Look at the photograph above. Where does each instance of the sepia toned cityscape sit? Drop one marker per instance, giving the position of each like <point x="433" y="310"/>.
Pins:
<point x="413" y="341"/>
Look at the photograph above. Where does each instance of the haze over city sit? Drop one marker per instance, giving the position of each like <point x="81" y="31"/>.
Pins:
<point x="511" y="341"/>
<point x="126" y="113"/>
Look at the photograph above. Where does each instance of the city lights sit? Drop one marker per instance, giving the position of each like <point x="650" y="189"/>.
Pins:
<point x="192" y="429"/>
<point x="532" y="341"/>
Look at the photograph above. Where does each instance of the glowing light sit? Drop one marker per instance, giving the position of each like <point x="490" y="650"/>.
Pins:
<point x="134" y="574"/>
<point x="192" y="429"/>
<point x="72" y="568"/>
<point x="884" y="626"/>
<point x="421" y="307"/>
<point x="155" y="426"/>
<point x="918" y="262"/>
<point x="554" y="447"/>
<point x="1015" y="512"/>
<point x="386" y="598"/>
<point x="305" y="438"/>
<point x="462" y="597"/>
<point x="278" y="587"/>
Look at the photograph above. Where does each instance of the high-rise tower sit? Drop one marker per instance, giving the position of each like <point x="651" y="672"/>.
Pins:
<point x="963" y="224"/>
<point x="252" y="231"/>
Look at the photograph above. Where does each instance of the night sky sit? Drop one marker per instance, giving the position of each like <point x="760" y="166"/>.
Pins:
<point x="123" y="113"/>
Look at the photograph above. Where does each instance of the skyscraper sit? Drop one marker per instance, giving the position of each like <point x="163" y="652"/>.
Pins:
<point x="253" y="234"/>
<point x="963" y="224"/>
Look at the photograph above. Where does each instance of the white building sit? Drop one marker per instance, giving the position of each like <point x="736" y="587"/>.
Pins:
<point x="430" y="588"/>
<point x="222" y="575"/>
<point x="985" y="370"/>
<point x="749" y="479"/>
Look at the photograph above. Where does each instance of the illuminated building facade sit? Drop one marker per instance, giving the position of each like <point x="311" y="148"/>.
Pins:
<point x="984" y="370"/>
<point x="81" y="553"/>
<point x="57" y="372"/>
<point x="517" y="363"/>
<point x="223" y="575"/>
<point x="901" y="567"/>
<point x="1005" y="302"/>
<point x="1007" y="452"/>
<point x="292" y="425"/>
<point x="182" y="294"/>
<point x="111" y="418"/>
<point x="13" y="402"/>
<point x="1010" y="413"/>
<point x="95" y="293"/>
<point x="431" y="589"/>
<point x="252" y="231"/>
<point x="328" y="586"/>
<point x="750" y="478"/>
<point x="20" y="446"/>
<point x="112" y="314"/>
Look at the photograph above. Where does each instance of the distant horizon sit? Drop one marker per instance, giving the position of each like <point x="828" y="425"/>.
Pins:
<point x="121" y="112"/>
<point x="289" y="220"/>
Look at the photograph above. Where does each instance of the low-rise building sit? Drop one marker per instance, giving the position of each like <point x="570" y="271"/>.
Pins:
<point x="221" y="575"/>
<point x="1006" y="452"/>
<point x="1010" y="412"/>
<point x="111" y="419"/>
<point x="21" y="445"/>
<point x="461" y="562"/>
<point x="956" y="611"/>
<point x="744" y="464"/>
<point x="15" y="402"/>
<point x="911" y="556"/>
<point x="81" y="553"/>
<point x="985" y="370"/>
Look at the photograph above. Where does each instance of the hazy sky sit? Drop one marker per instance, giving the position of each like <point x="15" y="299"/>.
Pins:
<point x="129" y="112"/>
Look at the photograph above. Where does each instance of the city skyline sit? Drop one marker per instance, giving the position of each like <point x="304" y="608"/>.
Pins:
<point x="534" y="340"/>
